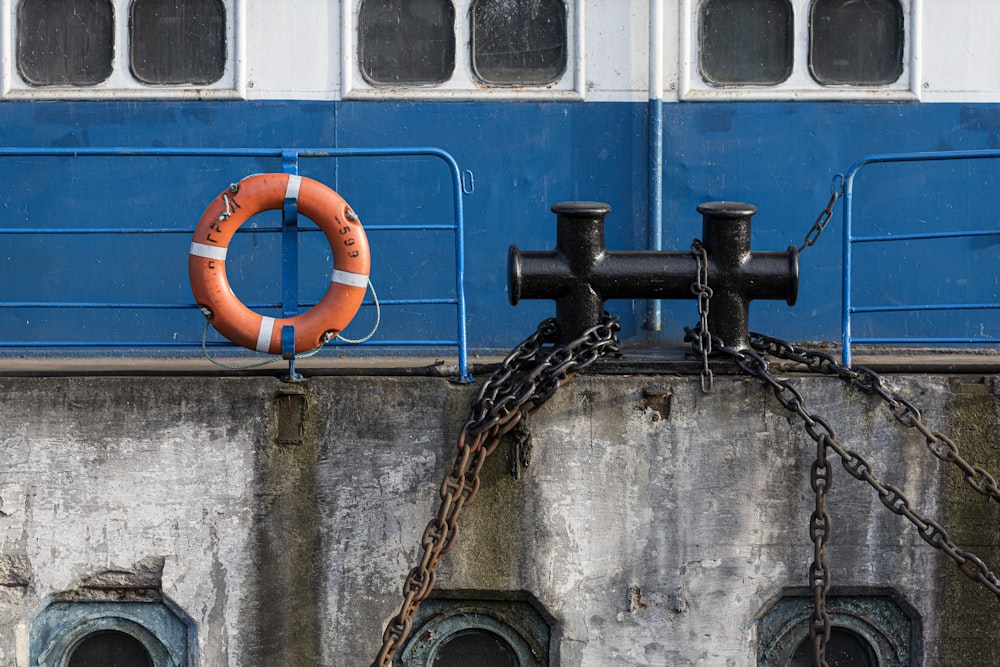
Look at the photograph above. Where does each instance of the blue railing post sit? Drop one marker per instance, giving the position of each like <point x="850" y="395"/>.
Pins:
<point x="290" y="262"/>
<point x="845" y="321"/>
<point x="848" y="308"/>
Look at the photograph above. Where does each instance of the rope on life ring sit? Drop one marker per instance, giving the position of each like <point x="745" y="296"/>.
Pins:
<point x="210" y="245"/>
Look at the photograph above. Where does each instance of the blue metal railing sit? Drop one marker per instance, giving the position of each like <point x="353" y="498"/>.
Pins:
<point x="849" y="240"/>
<point x="289" y="160"/>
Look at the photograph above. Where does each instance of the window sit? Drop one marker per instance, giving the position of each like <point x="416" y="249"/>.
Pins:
<point x="406" y="41"/>
<point x="518" y="43"/>
<point x="110" y="648"/>
<point x="856" y="42"/>
<point x="843" y="649"/>
<point x="65" y="42"/>
<point x="747" y="42"/>
<point x="797" y="49"/>
<point x="478" y="647"/>
<point x="461" y="48"/>
<point x="174" y="43"/>
<point x="133" y="48"/>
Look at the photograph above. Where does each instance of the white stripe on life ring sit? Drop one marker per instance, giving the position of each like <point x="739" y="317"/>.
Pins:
<point x="292" y="189"/>
<point x="348" y="278"/>
<point x="264" y="335"/>
<point x="208" y="251"/>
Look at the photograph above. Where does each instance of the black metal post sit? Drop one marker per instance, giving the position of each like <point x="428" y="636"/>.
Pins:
<point x="580" y="274"/>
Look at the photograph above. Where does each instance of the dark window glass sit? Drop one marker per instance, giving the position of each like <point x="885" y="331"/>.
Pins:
<point x="475" y="647"/>
<point x="174" y="42"/>
<point x="844" y="649"/>
<point x="65" y="42"/>
<point x="856" y="42"/>
<point x="746" y="41"/>
<point x="519" y="41"/>
<point x="110" y="649"/>
<point x="406" y="41"/>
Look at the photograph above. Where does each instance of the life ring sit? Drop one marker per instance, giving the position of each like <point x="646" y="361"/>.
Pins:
<point x="210" y="244"/>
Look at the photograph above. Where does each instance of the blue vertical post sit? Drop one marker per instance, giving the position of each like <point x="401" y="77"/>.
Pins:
<point x="290" y="262"/>
<point x="848" y="268"/>
<point x="654" y="317"/>
<point x="654" y="204"/>
<point x="463" y="359"/>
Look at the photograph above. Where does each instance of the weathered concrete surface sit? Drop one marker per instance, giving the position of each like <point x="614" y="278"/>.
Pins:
<point x="653" y="537"/>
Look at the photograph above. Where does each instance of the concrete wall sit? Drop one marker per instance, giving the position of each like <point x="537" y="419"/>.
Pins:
<point x="652" y="537"/>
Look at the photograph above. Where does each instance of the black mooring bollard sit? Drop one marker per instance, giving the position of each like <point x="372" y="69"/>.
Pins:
<point x="580" y="274"/>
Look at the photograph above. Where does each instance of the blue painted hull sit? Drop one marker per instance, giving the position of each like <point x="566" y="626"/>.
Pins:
<point x="524" y="157"/>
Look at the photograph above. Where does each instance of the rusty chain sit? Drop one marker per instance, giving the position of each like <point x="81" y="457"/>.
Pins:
<point x="754" y="362"/>
<point x="525" y="380"/>
<point x="536" y="368"/>
<point x="819" y="572"/>
<point x="868" y="381"/>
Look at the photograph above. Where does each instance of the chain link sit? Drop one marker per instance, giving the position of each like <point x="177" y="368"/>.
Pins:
<point x="703" y="343"/>
<point x="819" y="572"/>
<point x="535" y="370"/>
<point x="754" y="362"/>
<point x="526" y="378"/>
<point x="825" y="215"/>
<point x="904" y="412"/>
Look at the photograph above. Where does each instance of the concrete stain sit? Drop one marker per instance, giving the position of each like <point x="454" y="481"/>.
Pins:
<point x="217" y="642"/>
<point x="488" y="554"/>
<point x="968" y="611"/>
<point x="284" y="605"/>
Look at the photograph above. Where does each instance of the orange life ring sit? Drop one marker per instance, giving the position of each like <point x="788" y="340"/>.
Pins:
<point x="265" y="192"/>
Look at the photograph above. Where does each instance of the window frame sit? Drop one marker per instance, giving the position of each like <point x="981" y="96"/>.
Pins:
<point x="518" y="619"/>
<point x="122" y="84"/>
<point x="463" y="83"/>
<point x="800" y="85"/>
<point x="59" y="627"/>
<point x="880" y="617"/>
